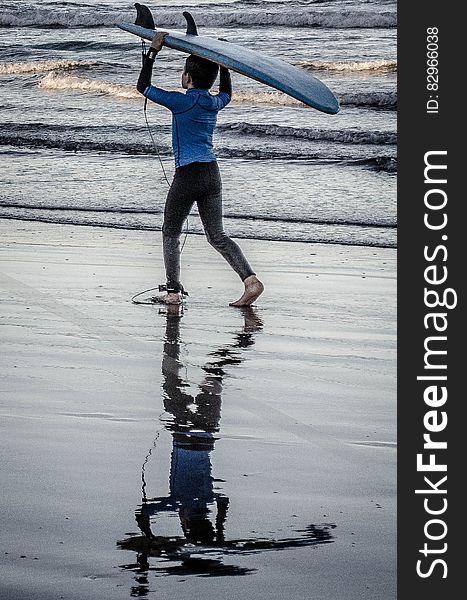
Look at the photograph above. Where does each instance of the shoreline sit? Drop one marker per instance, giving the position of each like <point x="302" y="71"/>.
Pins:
<point x="201" y="234"/>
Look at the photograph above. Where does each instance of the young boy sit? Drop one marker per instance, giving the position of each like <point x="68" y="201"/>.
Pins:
<point x="197" y="177"/>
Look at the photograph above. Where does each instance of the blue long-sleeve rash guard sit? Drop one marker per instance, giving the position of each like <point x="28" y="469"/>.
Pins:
<point x="194" y="115"/>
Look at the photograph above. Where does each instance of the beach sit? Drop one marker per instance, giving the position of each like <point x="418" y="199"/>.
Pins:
<point x="208" y="451"/>
<point x="293" y="451"/>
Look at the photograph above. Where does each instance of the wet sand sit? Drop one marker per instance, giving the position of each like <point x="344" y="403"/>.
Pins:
<point x="217" y="453"/>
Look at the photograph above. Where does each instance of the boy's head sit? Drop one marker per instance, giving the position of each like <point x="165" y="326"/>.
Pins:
<point x="199" y="72"/>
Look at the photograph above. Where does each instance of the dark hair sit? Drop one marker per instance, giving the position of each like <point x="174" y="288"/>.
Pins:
<point x="203" y="72"/>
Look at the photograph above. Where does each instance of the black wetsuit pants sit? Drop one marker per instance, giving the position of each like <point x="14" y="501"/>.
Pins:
<point x="201" y="183"/>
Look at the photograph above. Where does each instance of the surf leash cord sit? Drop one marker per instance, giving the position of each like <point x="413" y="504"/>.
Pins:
<point x="156" y="300"/>
<point x="156" y="148"/>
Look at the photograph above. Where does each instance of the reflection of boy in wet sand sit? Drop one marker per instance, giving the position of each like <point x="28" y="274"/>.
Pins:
<point x="194" y="423"/>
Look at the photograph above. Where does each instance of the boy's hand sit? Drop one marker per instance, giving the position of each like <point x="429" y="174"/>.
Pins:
<point x="158" y="40"/>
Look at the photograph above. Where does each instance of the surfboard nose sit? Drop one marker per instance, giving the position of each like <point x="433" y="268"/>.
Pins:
<point x="333" y="106"/>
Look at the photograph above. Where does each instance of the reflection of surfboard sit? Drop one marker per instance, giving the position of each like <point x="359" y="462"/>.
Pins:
<point x="273" y="72"/>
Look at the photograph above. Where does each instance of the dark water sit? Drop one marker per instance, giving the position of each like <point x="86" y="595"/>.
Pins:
<point x="75" y="148"/>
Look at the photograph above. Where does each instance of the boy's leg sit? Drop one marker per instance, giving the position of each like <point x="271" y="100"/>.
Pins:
<point x="179" y="201"/>
<point x="210" y="211"/>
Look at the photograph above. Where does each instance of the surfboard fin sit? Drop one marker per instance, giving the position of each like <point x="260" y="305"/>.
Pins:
<point x="191" y="25"/>
<point x="144" y="16"/>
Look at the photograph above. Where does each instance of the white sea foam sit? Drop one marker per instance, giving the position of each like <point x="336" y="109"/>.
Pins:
<point x="270" y="98"/>
<point x="372" y="66"/>
<point x="374" y="99"/>
<point x="55" y="81"/>
<point x="43" y="66"/>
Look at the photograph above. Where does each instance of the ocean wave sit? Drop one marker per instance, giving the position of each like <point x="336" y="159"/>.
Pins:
<point x="60" y="18"/>
<point x="44" y="66"/>
<point x="388" y="164"/>
<point x="67" y="17"/>
<point x="385" y="100"/>
<point x="112" y="133"/>
<point x="383" y="223"/>
<point x="316" y="233"/>
<point x="32" y="140"/>
<point x="55" y="81"/>
<point x="69" y="144"/>
<point x="339" y="135"/>
<point x="77" y="46"/>
<point x="345" y="136"/>
<point x="371" y="66"/>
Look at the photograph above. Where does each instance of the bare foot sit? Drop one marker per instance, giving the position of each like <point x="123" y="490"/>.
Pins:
<point x="253" y="289"/>
<point x="173" y="298"/>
